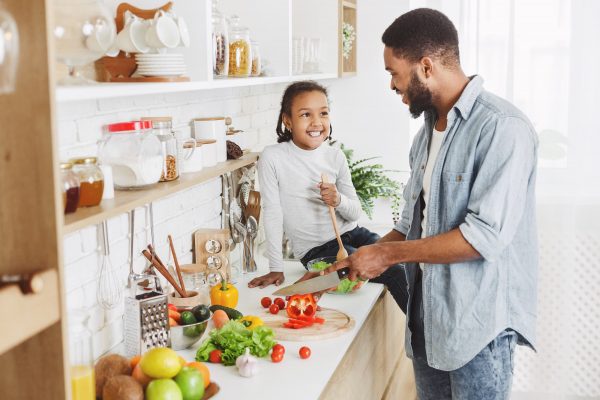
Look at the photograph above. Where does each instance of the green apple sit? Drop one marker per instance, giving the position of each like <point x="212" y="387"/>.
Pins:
<point x="163" y="389"/>
<point x="191" y="383"/>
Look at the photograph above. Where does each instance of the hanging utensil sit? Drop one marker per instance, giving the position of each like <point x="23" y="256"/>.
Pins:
<point x="149" y="269"/>
<point x="249" y="265"/>
<point x="109" y="293"/>
<point x="342" y="253"/>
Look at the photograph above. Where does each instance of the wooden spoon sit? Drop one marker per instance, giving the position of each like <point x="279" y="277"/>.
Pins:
<point x="342" y="253"/>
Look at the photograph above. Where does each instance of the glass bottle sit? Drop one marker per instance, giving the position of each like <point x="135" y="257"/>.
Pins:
<point x="70" y="187"/>
<point x="162" y="128"/>
<point x="220" y="42"/>
<point x="240" y="51"/>
<point x="256" y="61"/>
<point x="91" y="181"/>
<point x="81" y="358"/>
<point x="9" y="51"/>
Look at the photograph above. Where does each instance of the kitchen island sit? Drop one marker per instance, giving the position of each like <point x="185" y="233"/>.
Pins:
<point x="366" y="362"/>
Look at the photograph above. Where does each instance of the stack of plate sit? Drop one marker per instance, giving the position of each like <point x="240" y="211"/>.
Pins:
<point x="168" y="64"/>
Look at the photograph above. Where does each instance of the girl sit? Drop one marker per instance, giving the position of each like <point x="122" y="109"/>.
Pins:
<point x="294" y="199"/>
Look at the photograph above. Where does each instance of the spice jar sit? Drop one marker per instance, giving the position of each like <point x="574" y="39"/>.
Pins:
<point x="256" y="62"/>
<point x="70" y="186"/>
<point x="134" y="153"/>
<point x="195" y="279"/>
<point x="81" y="357"/>
<point x="240" y="51"/>
<point x="91" y="181"/>
<point x="220" y="42"/>
<point x="161" y="127"/>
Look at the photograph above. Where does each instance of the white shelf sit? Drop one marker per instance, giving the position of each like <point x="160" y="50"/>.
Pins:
<point x="112" y="90"/>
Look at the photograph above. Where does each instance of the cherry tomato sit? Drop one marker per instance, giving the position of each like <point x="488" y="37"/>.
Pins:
<point x="276" y="357"/>
<point x="278" y="348"/>
<point x="172" y="307"/>
<point x="280" y="302"/>
<point x="274" y="309"/>
<point x="304" y="352"/>
<point x="215" y="356"/>
<point x="265" y="302"/>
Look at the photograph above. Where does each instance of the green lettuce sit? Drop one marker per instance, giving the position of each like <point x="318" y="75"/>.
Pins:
<point x="233" y="339"/>
<point x="345" y="285"/>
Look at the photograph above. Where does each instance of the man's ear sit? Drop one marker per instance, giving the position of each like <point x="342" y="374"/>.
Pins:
<point x="426" y="65"/>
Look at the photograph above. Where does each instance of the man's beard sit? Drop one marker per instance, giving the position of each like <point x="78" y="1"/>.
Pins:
<point x="419" y="96"/>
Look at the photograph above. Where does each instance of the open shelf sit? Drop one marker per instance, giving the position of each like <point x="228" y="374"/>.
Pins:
<point x="126" y="200"/>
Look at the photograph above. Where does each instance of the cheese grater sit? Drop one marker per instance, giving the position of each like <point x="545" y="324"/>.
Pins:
<point x="146" y="321"/>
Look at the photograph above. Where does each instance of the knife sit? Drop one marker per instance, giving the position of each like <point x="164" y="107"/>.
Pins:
<point x="316" y="284"/>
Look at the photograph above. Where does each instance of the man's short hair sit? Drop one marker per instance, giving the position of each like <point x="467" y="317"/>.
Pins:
<point x="423" y="32"/>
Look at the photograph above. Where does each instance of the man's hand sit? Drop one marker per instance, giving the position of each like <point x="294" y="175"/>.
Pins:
<point x="275" y="278"/>
<point x="329" y="194"/>
<point x="366" y="262"/>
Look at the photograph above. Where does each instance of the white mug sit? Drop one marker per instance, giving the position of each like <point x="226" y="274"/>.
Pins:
<point x="102" y="37"/>
<point x="163" y="31"/>
<point x="192" y="160"/>
<point x="184" y="33"/>
<point x="213" y="128"/>
<point x="131" y="38"/>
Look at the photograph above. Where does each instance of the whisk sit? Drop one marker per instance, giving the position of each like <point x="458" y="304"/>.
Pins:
<point x="110" y="293"/>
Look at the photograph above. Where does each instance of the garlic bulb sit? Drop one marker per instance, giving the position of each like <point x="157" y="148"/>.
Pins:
<point x="247" y="364"/>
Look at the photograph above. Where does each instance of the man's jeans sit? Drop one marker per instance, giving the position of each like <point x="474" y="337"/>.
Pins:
<point x="393" y="278"/>
<point x="488" y="376"/>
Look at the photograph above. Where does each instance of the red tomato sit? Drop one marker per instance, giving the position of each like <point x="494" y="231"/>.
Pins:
<point x="265" y="302"/>
<point x="278" y="348"/>
<point x="280" y="302"/>
<point x="215" y="356"/>
<point x="274" y="309"/>
<point x="276" y="357"/>
<point x="304" y="352"/>
<point x="172" y="307"/>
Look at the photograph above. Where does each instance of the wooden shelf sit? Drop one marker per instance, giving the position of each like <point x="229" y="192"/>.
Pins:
<point x="111" y="90"/>
<point x="126" y="200"/>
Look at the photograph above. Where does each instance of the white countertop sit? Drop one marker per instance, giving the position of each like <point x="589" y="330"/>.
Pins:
<point x="292" y="378"/>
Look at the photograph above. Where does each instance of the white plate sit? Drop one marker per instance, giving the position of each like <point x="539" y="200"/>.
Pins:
<point x="166" y="56"/>
<point x="162" y="70"/>
<point x="161" y="73"/>
<point x="160" y="63"/>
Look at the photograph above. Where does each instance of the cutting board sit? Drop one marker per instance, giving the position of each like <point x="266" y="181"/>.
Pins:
<point x="336" y="323"/>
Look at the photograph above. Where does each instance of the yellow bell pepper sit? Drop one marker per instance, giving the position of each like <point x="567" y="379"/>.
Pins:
<point x="251" y="321"/>
<point x="224" y="294"/>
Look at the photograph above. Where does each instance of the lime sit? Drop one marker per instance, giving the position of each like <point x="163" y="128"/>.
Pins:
<point x="191" y="383"/>
<point x="163" y="389"/>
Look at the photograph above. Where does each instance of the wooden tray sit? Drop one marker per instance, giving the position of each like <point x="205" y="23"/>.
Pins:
<point x="336" y="324"/>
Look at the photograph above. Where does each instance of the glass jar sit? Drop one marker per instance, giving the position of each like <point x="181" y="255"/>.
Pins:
<point x="91" y="181"/>
<point x="134" y="153"/>
<point x="81" y="358"/>
<point x="196" y="280"/>
<point x="220" y="42"/>
<point x="256" y="62"/>
<point x="161" y="127"/>
<point x="70" y="187"/>
<point x="240" y="51"/>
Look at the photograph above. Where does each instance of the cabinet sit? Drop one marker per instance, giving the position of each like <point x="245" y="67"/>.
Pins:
<point x="33" y="341"/>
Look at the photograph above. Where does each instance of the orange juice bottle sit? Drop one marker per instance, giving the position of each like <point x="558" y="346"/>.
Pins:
<point x="81" y="357"/>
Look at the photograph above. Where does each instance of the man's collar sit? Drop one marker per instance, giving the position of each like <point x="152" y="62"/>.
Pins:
<point x="469" y="95"/>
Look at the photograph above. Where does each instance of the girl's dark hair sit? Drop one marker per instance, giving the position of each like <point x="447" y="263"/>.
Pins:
<point x="293" y="90"/>
<point x="423" y="32"/>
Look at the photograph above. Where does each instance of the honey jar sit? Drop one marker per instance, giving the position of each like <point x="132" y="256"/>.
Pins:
<point x="91" y="181"/>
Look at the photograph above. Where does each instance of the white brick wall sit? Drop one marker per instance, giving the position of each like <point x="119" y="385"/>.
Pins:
<point x="253" y="109"/>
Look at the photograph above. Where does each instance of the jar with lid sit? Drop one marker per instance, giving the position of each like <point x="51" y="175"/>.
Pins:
<point x="81" y="358"/>
<point x="194" y="278"/>
<point x="240" y="51"/>
<point x="70" y="187"/>
<point x="256" y="61"/>
<point x="220" y="42"/>
<point x="91" y="181"/>
<point x="161" y="127"/>
<point x="134" y="153"/>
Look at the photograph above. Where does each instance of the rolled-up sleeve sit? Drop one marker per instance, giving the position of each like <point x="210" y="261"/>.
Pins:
<point x="497" y="199"/>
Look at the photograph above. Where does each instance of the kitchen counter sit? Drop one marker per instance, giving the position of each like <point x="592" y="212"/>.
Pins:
<point x="334" y="367"/>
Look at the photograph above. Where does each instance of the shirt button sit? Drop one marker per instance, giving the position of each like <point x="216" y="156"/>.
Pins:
<point x="414" y="196"/>
<point x="422" y="166"/>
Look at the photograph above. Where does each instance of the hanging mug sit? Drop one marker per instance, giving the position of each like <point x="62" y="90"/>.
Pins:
<point x="163" y="31"/>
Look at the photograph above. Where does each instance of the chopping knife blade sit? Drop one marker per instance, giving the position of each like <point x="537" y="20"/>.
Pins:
<point x="316" y="284"/>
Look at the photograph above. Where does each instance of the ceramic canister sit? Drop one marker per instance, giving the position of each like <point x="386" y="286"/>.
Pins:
<point x="212" y="128"/>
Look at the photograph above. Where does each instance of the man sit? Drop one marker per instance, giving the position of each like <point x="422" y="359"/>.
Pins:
<point x="467" y="235"/>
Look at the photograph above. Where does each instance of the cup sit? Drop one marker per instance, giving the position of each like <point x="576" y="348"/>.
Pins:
<point x="209" y="152"/>
<point x="184" y="33"/>
<point x="213" y="128"/>
<point x="131" y="38"/>
<point x="102" y="37"/>
<point x="163" y="31"/>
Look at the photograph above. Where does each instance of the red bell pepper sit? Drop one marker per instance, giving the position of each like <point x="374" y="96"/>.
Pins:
<point x="301" y="305"/>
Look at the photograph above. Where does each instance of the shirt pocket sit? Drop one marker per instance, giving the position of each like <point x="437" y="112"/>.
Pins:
<point x="456" y="189"/>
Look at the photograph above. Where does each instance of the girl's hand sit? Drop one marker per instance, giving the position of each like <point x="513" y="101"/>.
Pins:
<point x="275" y="278"/>
<point x="329" y="194"/>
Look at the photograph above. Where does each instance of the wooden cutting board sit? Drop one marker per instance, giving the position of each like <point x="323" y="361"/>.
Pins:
<point x="336" y="323"/>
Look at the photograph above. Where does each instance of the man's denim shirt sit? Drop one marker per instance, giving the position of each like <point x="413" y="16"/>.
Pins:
<point x="483" y="182"/>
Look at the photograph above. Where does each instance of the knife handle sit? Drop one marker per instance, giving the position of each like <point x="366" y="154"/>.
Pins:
<point x="343" y="273"/>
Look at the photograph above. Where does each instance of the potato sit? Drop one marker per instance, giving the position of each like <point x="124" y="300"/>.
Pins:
<point x="109" y="366"/>
<point x="122" y="387"/>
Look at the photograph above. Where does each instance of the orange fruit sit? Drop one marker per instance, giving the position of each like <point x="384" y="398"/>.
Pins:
<point x="182" y="361"/>
<point x="134" y="361"/>
<point x="140" y="376"/>
<point x="203" y="370"/>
